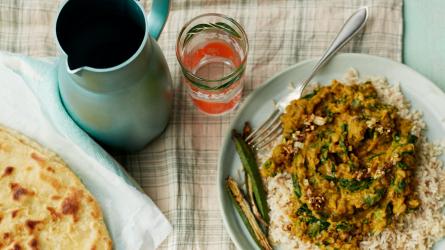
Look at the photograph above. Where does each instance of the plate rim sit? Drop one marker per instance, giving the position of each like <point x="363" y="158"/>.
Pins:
<point x="226" y="140"/>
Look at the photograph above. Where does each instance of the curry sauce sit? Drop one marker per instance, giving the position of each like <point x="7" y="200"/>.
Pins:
<point x="352" y="161"/>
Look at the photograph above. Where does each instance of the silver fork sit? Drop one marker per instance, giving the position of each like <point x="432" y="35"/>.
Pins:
<point x="271" y="128"/>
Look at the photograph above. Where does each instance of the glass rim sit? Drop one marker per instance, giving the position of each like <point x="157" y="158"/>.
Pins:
<point x="227" y="77"/>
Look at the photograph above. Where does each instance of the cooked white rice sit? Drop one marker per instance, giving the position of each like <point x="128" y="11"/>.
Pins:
<point x="416" y="230"/>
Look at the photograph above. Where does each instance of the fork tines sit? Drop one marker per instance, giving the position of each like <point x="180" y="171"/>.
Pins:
<point x="267" y="132"/>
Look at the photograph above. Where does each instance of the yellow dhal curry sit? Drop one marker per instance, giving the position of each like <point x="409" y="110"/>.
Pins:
<point x="352" y="161"/>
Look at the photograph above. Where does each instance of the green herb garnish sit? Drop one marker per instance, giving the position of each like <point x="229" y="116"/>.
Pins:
<point x="354" y="184"/>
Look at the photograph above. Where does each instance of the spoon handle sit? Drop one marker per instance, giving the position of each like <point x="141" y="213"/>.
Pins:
<point x="350" y="28"/>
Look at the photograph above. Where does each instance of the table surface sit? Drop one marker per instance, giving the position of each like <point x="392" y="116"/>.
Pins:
<point x="178" y="169"/>
<point x="424" y="38"/>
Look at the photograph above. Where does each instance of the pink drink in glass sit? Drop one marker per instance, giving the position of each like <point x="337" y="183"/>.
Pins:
<point x="213" y="63"/>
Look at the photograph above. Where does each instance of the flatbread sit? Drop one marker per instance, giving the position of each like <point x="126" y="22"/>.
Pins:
<point x="43" y="205"/>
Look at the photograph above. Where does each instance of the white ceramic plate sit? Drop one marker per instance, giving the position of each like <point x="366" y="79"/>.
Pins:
<point x="423" y="94"/>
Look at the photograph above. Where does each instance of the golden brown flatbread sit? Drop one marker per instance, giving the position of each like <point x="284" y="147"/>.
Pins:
<point x="43" y="205"/>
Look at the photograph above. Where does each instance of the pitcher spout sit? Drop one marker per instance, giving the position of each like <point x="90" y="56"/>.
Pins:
<point x="74" y="68"/>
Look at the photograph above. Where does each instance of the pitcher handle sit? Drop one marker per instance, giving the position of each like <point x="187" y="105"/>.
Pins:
<point x="158" y="17"/>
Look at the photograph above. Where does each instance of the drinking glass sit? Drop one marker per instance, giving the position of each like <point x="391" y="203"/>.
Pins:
<point x="212" y="51"/>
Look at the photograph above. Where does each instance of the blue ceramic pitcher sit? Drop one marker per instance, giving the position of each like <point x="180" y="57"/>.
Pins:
<point x="113" y="78"/>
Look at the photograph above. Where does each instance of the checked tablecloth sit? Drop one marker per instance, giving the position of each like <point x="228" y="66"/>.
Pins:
<point x="178" y="170"/>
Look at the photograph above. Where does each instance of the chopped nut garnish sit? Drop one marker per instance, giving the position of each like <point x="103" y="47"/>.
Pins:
<point x="371" y="122"/>
<point x="298" y="144"/>
<point x="317" y="201"/>
<point x="319" y="121"/>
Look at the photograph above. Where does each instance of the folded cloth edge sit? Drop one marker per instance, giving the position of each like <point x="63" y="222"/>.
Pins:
<point x="59" y="117"/>
<point x="60" y="120"/>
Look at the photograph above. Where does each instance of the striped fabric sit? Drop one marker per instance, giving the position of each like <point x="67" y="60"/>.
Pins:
<point x="178" y="170"/>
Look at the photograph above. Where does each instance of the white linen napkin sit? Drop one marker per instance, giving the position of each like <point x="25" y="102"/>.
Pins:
<point x="30" y="104"/>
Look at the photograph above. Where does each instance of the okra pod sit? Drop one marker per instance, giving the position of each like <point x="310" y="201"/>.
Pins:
<point x="253" y="204"/>
<point x="250" y="165"/>
<point x="247" y="129"/>
<point x="243" y="209"/>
